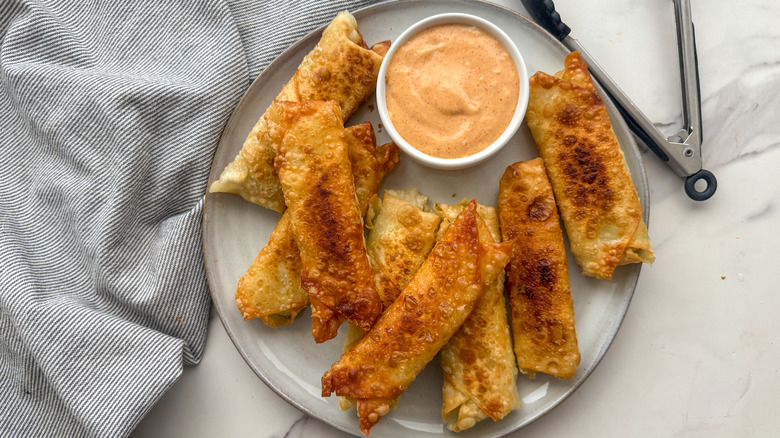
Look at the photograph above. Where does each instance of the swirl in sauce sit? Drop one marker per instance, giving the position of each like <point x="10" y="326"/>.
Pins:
<point x="452" y="90"/>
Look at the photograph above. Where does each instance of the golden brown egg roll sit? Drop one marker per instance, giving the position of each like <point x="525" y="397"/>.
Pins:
<point x="271" y="287"/>
<point x="419" y="322"/>
<point x="480" y="375"/>
<point x="313" y="165"/>
<point x="402" y="233"/>
<point x="545" y="338"/>
<point x="339" y="68"/>
<point x="591" y="181"/>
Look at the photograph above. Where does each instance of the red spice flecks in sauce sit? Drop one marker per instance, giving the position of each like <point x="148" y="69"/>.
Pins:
<point x="452" y="90"/>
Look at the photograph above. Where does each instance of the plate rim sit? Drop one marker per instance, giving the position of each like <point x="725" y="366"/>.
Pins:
<point x="630" y="148"/>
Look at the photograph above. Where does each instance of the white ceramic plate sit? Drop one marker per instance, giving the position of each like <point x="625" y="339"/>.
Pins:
<point x="287" y="358"/>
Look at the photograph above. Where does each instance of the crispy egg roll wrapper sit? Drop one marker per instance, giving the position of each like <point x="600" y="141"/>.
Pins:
<point x="402" y="231"/>
<point x="591" y="181"/>
<point x="400" y="237"/>
<point x="313" y="165"/>
<point x="545" y="339"/>
<point x="480" y="375"/>
<point x="419" y="322"/>
<point x="271" y="287"/>
<point x="340" y="68"/>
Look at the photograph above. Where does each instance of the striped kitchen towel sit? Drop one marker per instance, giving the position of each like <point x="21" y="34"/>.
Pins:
<point x="109" y="116"/>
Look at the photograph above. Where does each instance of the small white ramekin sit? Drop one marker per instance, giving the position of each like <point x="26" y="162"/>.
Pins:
<point x="514" y="124"/>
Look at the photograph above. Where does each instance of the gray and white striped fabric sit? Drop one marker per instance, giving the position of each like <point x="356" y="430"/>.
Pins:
<point x="109" y="115"/>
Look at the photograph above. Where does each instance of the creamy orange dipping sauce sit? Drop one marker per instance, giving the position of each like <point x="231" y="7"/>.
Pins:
<point x="451" y="90"/>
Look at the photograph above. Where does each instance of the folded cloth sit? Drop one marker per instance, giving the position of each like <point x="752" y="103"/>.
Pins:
<point x="110" y="113"/>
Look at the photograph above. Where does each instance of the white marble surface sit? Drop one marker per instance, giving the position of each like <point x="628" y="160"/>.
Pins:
<point x="698" y="352"/>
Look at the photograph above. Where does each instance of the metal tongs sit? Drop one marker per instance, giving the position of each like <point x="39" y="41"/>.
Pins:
<point x="682" y="151"/>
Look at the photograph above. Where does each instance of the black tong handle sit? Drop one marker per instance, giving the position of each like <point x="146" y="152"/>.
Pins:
<point x="543" y="12"/>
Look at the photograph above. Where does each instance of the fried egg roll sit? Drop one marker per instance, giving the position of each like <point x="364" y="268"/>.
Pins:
<point x="402" y="233"/>
<point x="480" y="375"/>
<point x="313" y="165"/>
<point x="591" y="181"/>
<point x="545" y="339"/>
<point x="419" y="322"/>
<point x="271" y="287"/>
<point x="339" y="68"/>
